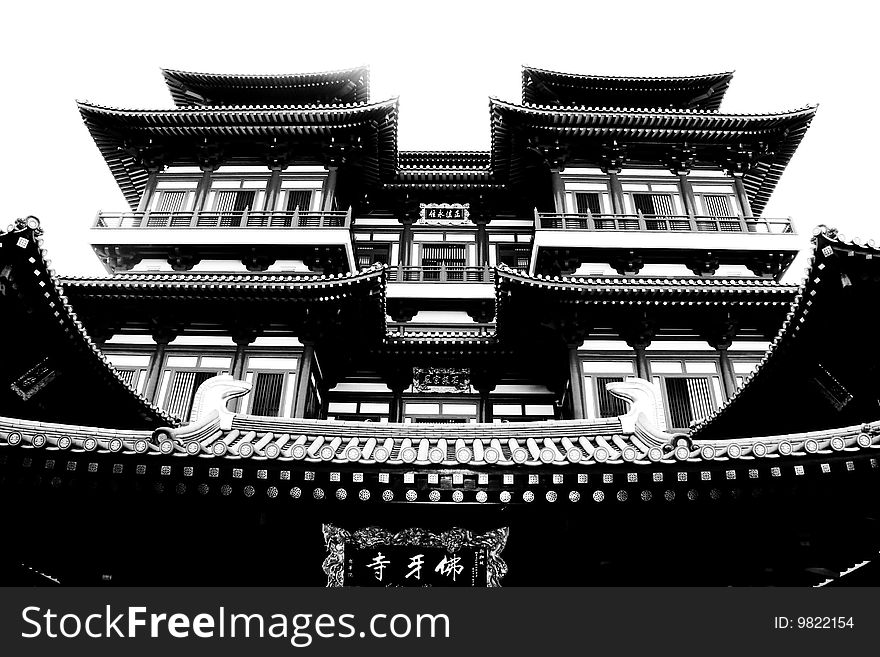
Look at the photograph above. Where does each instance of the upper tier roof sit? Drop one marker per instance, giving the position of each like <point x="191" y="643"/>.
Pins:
<point x="645" y="136"/>
<point x="542" y="87"/>
<point x="310" y="119"/>
<point x="345" y="86"/>
<point x="127" y="137"/>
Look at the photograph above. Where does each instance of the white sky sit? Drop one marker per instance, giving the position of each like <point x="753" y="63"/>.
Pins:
<point x="443" y="59"/>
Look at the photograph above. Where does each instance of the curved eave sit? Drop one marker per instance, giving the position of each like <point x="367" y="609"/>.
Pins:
<point x="366" y="288"/>
<point x="443" y="160"/>
<point x="85" y="384"/>
<point x="782" y="132"/>
<point x="190" y="88"/>
<point x="695" y="91"/>
<point x="114" y="131"/>
<point x="821" y="368"/>
<point x="749" y="291"/>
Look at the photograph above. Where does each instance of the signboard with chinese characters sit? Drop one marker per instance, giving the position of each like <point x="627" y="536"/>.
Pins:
<point x="444" y="213"/>
<point x="441" y="379"/>
<point x="413" y="557"/>
<point x="34" y="380"/>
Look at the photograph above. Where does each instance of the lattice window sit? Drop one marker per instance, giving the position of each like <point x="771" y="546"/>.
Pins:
<point x="266" y="395"/>
<point x="299" y="199"/>
<point x="182" y="391"/>
<point x="232" y="204"/>
<point x="687" y="399"/>
<point x="587" y="202"/>
<point x="607" y="404"/>
<point x="436" y="257"/>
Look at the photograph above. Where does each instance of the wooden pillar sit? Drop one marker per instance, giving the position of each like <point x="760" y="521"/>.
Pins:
<point x="303" y="378"/>
<point x="149" y="190"/>
<point x="202" y="190"/>
<point x="395" y="413"/>
<point x="329" y="189"/>
<point x="482" y="242"/>
<point x="406" y="242"/>
<point x="687" y="194"/>
<point x="484" y="407"/>
<point x="576" y="378"/>
<point x="617" y="205"/>
<point x="643" y="368"/>
<point x="558" y="190"/>
<point x="728" y="379"/>
<point x="154" y="369"/>
<point x="239" y="361"/>
<point x="273" y="189"/>
<point x="741" y="194"/>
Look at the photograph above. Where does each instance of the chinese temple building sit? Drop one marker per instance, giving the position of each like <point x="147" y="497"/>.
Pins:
<point x="568" y="359"/>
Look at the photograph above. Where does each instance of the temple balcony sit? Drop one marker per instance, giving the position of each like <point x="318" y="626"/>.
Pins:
<point x="628" y="241"/>
<point x="321" y="239"/>
<point x="440" y="274"/>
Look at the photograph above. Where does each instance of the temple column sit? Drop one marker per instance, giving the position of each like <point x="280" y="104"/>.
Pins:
<point x="643" y="367"/>
<point x="482" y="242"/>
<point x="203" y="189"/>
<point x="638" y="337"/>
<point x="720" y="334"/>
<point x="395" y="411"/>
<point x="576" y="379"/>
<point x="484" y="407"/>
<point x="149" y="190"/>
<point x="243" y="339"/>
<point x="273" y="189"/>
<point x="741" y="194"/>
<point x="162" y="336"/>
<point x="303" y="378"/>
<point x="329" y="191"/>
<point x="558" y="190"/>
<point x="406" y="242"/>
<point x="483" y="380"/>
<point x="617" y="205"/>
<point x="687" y="195"/>
<point x="728" y="378"/>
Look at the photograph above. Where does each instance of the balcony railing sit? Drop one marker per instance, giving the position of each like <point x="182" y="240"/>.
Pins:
<point x="439" y="274"/>
<point x="210" y="219"/>
<point x="663" y="223"/>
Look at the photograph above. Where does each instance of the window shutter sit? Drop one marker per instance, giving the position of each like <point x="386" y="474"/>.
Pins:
<point x="688" y="399"/>
<point x="299" y="198"/>
<point x="609" y="405"/>
<point x="267" y="393"/>
<point x="587" y="202"/>
<point x="182" y="391"/>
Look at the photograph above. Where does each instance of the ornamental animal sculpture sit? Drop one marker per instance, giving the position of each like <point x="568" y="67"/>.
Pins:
<point x="645" y="415"/>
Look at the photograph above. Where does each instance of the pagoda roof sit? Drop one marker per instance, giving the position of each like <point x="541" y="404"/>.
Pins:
<point x="314" y="305"/>
<point x="583" y="132"/>
<point x="822" y="368"/>
<point x="543" y="87"/>
<point x="646" y="290"/>
<point x="52" y="371"/>
<point x="341" y="87"/>
<point x="129" y="138"/>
